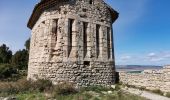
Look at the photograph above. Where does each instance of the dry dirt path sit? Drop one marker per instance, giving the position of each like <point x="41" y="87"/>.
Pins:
<point x="147" y="95"/>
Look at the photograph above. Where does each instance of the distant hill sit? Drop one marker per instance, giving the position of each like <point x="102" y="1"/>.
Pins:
<point x="136" y="67"/>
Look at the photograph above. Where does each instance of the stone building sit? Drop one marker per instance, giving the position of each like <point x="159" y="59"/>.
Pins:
<point x="71" y="41"/>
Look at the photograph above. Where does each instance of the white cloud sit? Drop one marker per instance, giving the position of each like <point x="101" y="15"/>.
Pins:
<point x="156" y="59"/>
<point x="152" y="54"/>
<point x="166" y="55"/>
<point x="152" y="58"/>
<point x="161" y="56"/>
<point x="125" y="57"/>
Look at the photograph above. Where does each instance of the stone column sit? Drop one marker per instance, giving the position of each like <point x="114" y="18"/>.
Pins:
<point x="80" y="42"/>
<point x="58" y="42"/>
<point x="41" y="40"/>
<point x="45" y="42"/>
<point x="50" y="41"/>
<point x="58" y="50"/>
<point x="93" y="41"/>
<point x="74" y="33"/>
<point x="111" y="43"/>
<point x="88" y="41"/>
<point x="105" y="43"/>
<point x="108" y="32"/>
<point x="100" y="41"/>
<point x="65" y="39"/>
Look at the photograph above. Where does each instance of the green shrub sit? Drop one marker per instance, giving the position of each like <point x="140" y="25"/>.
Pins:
<point x="6" y="71"/>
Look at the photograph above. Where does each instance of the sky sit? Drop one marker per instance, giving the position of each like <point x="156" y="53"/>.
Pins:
<point x="141" y="33"/>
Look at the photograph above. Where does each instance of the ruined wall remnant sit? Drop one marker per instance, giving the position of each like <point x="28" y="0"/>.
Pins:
<point x="72" y="41"/>
<point x="149" y="79"/>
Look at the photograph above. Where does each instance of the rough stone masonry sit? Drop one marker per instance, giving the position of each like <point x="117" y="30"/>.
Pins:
<point x="71" y="41"/>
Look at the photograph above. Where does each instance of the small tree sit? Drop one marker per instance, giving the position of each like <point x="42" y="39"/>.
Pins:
<point x="27" y="44"/>
<point x="5" y="54"/>
<point x="20" y="59"/>
<point x="6" y="71"/>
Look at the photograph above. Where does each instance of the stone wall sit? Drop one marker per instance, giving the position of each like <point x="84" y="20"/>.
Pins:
<point x="65" y="45"/>
<point x="150" y="79"/>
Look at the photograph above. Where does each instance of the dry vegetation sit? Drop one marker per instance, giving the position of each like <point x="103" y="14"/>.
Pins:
<point x="44" y="89"/>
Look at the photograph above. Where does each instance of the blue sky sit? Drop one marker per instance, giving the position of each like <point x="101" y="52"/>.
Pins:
<point x="141" y="33"/>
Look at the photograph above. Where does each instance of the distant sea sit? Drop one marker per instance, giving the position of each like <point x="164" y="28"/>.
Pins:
<point x="126" y="68"/>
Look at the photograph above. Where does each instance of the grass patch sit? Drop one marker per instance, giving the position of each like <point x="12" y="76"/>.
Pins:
<point x="31" y="96"/>
<point x="97" y="89"/>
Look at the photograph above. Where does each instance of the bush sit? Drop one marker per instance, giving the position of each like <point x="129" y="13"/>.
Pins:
<point x="14" y="87"/>
<point x="20" y="59"/>
<point x="168" y="94"/>
<point x="42" y="85"/>
<point x="157" y="91"/>
<point x="6" y="71"/>
<point x="117" y="87"/>
<point x="142" y="88"/>
<point x="22" y="86"/>
<point x="64" y="88"/>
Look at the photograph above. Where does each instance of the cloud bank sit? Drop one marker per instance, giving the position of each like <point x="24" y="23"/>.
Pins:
<point x="152" y="58"/>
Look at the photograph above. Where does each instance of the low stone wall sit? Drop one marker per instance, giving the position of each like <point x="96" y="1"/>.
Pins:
<point x="149" y="79"/>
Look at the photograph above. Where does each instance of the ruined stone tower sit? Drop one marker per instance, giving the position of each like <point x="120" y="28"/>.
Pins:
<point x="72" y="41"/>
